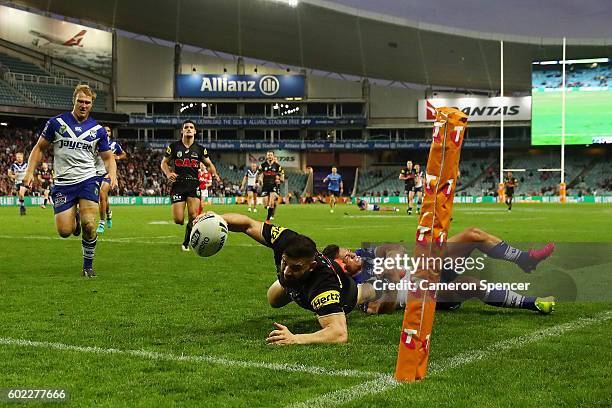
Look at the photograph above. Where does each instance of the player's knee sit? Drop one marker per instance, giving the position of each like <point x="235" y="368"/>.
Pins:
<point x="474" y="234"/>
<point x="179" y="221"/>
<point x="89" y="227"/>
<point x="64" y="233"/>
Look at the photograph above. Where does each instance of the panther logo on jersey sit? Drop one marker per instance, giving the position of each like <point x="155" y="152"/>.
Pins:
<point x="275" y="233"/>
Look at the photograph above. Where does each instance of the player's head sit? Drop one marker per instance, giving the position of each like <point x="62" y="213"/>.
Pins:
<point x="334" y="170"/>
<point x="83" y="99"/>
<point x="409" y="164"/>
<point x="253" y="166"/>
<point x="298" y="258"/>
<point x="109" y="131"/>
<point x="188" y="129"/>
<point x="509" y="174"/>
<point x="270" y="156"/>
<point x="417" y="167"/>
<point x="45" y="166"/>
<point x="19" y="157"/>
<point x="350" y="262"/>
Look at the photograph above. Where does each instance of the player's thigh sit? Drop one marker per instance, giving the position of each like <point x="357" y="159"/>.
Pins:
<point x="22" y="191"/>
<point x="277" y="297"/>
<point x="65" y="221"/>
<point x="178" y="212"/>
<point x="104" y="188"/>
<point x="272" y="197"/>
<point x="193" y="204"/>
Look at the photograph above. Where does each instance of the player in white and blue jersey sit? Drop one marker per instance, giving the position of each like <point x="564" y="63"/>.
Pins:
<point x="106" y="215"/>
<point x="250" y="180"/>
<point x="335" y="187"/>
<point x="17" y="171"/>
<point x="76" y="139"/>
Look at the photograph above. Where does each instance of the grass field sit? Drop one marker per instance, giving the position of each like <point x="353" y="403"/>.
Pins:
<point x="159" y="327"/>
<point x="587" y="116"/>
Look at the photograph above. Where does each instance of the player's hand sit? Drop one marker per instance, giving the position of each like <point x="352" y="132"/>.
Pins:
<point x="114" y="184"/>
<point x="172" y="176"/>
<point x="281" y="336"/>
<point x="27" y="180"/>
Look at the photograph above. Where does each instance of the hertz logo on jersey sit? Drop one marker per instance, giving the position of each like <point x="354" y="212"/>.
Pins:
<point x="326" y="298"/>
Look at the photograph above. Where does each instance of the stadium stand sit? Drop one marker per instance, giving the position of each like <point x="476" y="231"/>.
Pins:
<point x="9" y="96"/>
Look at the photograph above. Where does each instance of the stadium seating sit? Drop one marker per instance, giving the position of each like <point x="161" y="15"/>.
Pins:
<point x="23" y="67"/>
<point x="8" y="96"/>
<point x="60" y="97"/>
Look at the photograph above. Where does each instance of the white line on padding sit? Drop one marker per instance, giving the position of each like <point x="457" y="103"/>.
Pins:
<point x="385" y="383"/>
<point x="152" y="355"/>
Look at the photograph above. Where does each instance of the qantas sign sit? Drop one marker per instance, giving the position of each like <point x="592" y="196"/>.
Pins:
<point x="479" y="109"/>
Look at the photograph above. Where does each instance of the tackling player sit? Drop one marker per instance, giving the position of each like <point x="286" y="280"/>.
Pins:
<point x="510" y="183"/>
<point x="418" y="186"/>
<point x="45" y="178"/>
<point x="185" y="156"/>
<point x="205" y="180"/>
<point x="106" y="215"/>
<point x="408" y="174"/>
<point x="307" y="278"/>
<point x="250" y="180"/>
<point x="360" y="265"/>
<point x="76" y="140"/>
<point x="335" y="187"/>
<point x="271" y="176"/>
<point x="16" y="172"/>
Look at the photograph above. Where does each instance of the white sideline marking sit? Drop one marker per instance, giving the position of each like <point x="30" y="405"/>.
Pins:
<point x="385" y="383"/>
<point x="152" y="355"/>
<point x="160" y="223"/>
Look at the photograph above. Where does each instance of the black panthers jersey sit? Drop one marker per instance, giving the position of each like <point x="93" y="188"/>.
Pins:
<point x="270" y="171"/>
<point x="326" y="289"/>
<point x="510" y="183"/>
<point x="186" y="160"/>
<point x="45" y="175"/>
<point x="411" y="173"/>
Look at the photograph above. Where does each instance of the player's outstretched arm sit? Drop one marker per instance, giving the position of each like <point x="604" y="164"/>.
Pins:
<point x="334" y="330"/>
<point x="35" y="159"/>
<point x="242" y="223"/>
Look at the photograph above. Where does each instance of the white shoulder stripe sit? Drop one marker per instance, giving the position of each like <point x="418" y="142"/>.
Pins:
<point x="68" y="129"/>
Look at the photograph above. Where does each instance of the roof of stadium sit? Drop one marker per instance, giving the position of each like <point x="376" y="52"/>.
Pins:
<point x="440" y="43"/>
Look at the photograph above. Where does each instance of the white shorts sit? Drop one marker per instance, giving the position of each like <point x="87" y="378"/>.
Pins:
<point x="204" y="194"/>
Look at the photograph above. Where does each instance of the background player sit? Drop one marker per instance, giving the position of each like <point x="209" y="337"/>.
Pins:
<point x="185" y="156"/>
<point x="408" y="175"/>
<point x="510" y="183"/>
<point x="365" y="206"/>
<point x="306" y="277"/>
<point x="205" y="180"/>
<point x="45" y="178"/>
<point x="271" y="175"/>
<point x="16" y="172"/>
<point x="106" y="215"/>
<point x="250" y="180"/>
<point x="76" y="140"/>
<point x="335" y="187"/>
<point x="418" y="186"/>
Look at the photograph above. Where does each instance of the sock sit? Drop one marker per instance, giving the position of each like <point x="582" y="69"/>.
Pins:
<point x="89" y="248"/>
<point x="199" y="210"/>
<point x="505" y="251"/>
<point x="22" y="203"/>
<point x="419" y="205"/>
<point x="45" y="202"/>
<point x="188" y="228"/>
<point x="270" y="213"/>
<point x="109" y="213"/>
<point x="509" y="299"/>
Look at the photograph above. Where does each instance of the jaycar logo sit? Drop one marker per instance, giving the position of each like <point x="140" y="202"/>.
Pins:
<point x="269" y="85"/>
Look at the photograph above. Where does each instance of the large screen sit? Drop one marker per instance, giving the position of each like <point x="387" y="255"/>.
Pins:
<point x="588" y="103"/>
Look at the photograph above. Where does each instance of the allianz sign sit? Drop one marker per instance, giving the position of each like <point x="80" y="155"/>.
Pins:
<point x="246" y="86"/>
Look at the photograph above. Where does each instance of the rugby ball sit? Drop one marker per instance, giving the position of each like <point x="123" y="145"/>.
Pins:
<point x="208" y="235"/>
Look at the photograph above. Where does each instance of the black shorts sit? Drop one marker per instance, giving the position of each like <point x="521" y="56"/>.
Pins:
<point x="182" y="189"/>
<point x="418" y="189"/>
<point x="509" y="192"/>
<point x="334" y="192"/>
<point x="409" y="187"/>
<point x="46" y="185"/>
<point x="266" y="190"/>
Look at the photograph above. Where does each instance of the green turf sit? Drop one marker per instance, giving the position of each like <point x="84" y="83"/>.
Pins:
<point x="587" y="115"/>
<point x="151" y="296"/>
